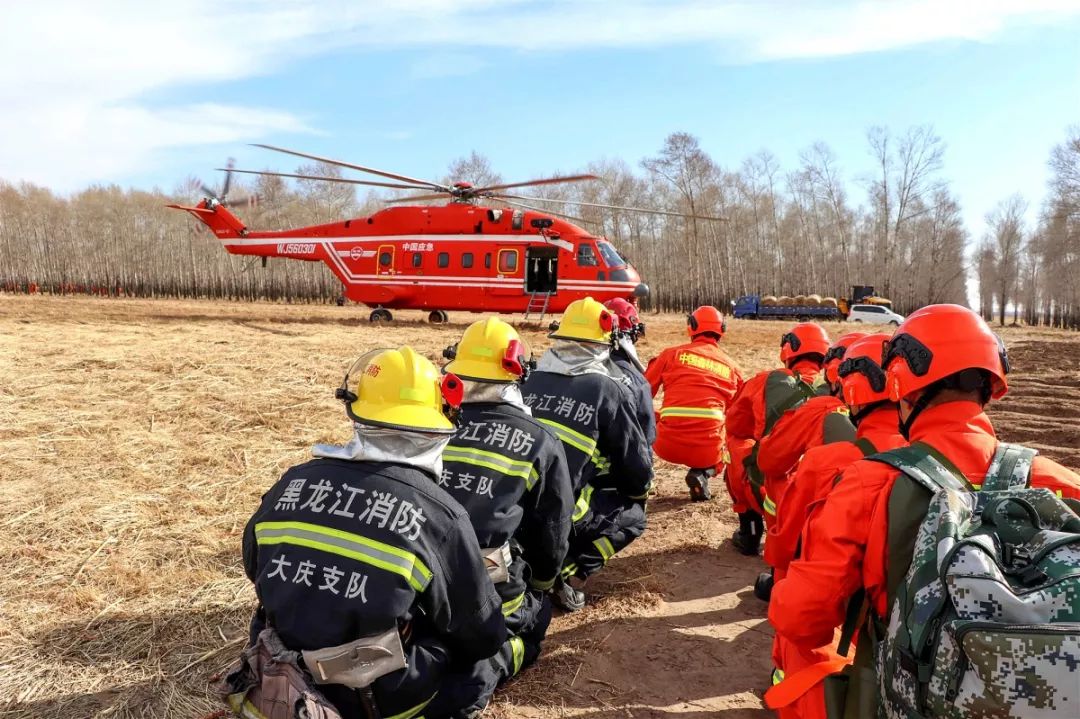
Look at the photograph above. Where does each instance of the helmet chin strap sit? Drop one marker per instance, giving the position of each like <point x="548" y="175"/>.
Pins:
<point x="857" y="417"/>
<point x="916" y="409"/>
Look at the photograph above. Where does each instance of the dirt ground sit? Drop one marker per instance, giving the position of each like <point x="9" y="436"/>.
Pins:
<point x="137" y="436"/>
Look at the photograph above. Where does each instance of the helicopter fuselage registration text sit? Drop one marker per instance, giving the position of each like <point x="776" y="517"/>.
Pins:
<point x="296" y="248"/>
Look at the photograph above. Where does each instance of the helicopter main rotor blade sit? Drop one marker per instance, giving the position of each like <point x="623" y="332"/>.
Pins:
<point x="228" y="178"/>
<point x="370" y="183"/>
<point x="419" y="198"/>
<point x="534" y="183"/>
<point x="611" y="207"/>
<point x="572" y="218"/>
<point x="360" y="168"/>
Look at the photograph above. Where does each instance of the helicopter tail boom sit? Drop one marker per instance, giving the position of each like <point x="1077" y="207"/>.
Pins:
<point x="217" y="217"/>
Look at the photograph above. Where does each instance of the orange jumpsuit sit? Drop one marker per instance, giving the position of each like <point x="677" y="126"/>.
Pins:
<point x="804" y="497"/>
<point x="746" y="425"/>
<point x="845" y="543"/>
<point x="817" y="421"/>
<point x="699" y="381"/>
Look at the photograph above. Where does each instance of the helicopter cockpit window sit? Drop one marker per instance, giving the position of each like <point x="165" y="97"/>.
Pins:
<point x="611" y="256"/>
<point x="385" y="258"/>
<point x="585" y="256"/>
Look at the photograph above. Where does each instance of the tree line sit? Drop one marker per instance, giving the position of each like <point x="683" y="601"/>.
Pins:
<point x="784" y="231"/>
<point x="1032" y="272"/>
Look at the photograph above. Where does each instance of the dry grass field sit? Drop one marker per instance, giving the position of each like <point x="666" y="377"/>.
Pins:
<point x="137" y="436"/>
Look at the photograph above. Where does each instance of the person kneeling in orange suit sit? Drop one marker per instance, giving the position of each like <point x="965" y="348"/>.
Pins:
<point x="699" y="381"/>
<point x="862" y="382"/>
<point x="757" y="408"/>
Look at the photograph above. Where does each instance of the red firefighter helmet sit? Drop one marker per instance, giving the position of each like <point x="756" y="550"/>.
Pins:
<point x="626" y="314"/>
<point x="805" y="338"/>
<point x="836" y="354"/>
<point x="860" y="374"/>
<point x="938" y="341"/>
<point x="706" y="319"/>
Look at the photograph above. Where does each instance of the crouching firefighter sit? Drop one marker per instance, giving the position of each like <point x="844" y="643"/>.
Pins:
<point x="699" y="381"/>
<point x="585" y="399"/>
<point x="862" y="382"/>
<point x="628" y="330"/>
<point x="758" y="406"/>
<point x="510" y="474"/>
<point x="373" y="596"/>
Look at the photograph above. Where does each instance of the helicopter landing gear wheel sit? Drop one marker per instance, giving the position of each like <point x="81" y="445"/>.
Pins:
<point x="438" y="317"/>
<point x="380" y="315"/>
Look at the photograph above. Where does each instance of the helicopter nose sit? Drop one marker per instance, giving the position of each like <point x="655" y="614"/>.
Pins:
<point x="641" y="291"/>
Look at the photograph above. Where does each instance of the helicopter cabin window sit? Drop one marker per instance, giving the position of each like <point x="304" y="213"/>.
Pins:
<point x="585" y="256"/>
<point x="385" y="258"/>
<point x="487" y="261"/>
<point x="610" y="255"/>
<point x="444" y="259"/>
<point x="508" y="261"/>
<point x="417" y="259"/>
<point x="467" y="260"/>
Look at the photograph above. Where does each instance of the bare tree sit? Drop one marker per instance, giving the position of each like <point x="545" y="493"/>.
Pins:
<point x="1006" y="233"/>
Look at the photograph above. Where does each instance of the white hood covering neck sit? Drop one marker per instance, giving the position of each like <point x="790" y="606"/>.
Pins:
<point x="494" y="393"/>
<point x="571" y="358"/>
<point x="415" y="448"/>
<point x="627" y="347"/>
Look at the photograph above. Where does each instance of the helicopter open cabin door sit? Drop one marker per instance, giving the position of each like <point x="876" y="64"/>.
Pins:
<point x="542" y="270"/>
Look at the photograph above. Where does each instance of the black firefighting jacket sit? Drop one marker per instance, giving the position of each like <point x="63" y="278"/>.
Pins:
<point x="646" y="415"/>
<point x="510" y="474"/>
<point x="342" y="549"/>
<point x="594" y="416"/>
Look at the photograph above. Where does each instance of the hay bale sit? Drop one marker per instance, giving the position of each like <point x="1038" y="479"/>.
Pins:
<point x="784" y="301"/>
<point x="769" y="300"/>
<point x="829" y="302"/>
<point x="800" y="299"/>
<point x="813" y="300"/>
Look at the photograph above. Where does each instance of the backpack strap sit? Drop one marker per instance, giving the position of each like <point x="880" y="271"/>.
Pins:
<point x="925" y="465"/>
<point x="792" y="392"/>
<point x="1010" y="468"/>
<point x="865" y="446"/>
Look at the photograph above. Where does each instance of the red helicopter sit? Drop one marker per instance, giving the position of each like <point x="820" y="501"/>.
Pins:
<point x="459" y="256"/>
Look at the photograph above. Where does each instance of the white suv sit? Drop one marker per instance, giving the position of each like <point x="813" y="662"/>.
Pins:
<point x="874" y="314"/>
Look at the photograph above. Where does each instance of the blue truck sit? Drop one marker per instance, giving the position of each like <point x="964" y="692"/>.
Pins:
<point x="750" y="307"/>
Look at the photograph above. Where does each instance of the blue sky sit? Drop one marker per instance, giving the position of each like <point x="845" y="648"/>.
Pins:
<point x="143" y="96"/>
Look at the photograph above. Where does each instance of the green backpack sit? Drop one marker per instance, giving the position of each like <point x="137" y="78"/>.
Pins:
<point x="783" y="393"/>
<point x="985" y="617"/>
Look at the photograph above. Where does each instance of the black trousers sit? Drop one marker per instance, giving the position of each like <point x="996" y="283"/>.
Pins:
<point x="470" y="691"/>
<point x="614" y="522"/>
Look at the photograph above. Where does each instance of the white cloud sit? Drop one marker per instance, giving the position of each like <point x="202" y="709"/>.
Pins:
<point x="81" y="82"/>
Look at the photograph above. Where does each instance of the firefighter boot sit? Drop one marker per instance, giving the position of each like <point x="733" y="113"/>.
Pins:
<point x="763" y="586"/>
<point x="748" y="539"/>
<point x="698" y="482"/>
<point x="567" y="596"/>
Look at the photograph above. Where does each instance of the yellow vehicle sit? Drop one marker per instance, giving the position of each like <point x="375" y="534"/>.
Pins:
<point x="862" y="295"/>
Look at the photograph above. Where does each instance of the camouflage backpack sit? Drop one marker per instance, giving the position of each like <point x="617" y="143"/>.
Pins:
<point x="985" y="619"/>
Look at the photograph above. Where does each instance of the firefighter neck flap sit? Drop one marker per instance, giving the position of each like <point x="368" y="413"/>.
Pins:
<point x="422" y="450"/>
<point x="494" y="393"/>
<point x="571" y="358"/>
